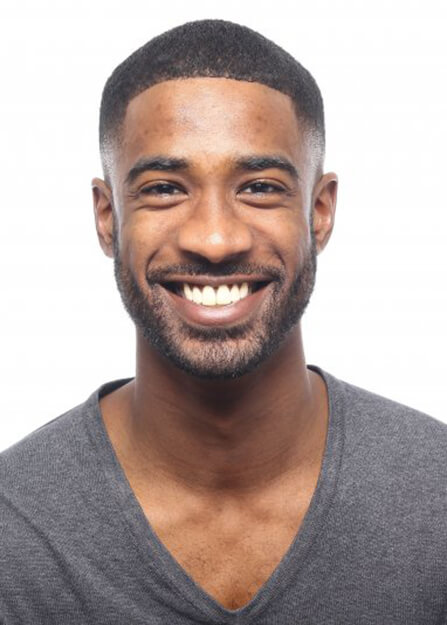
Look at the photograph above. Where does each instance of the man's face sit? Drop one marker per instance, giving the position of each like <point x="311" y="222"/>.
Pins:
<point x="213" y="186"/>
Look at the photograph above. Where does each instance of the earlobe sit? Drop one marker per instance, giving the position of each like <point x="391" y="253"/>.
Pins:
<point x="103" y="209"/>
<point x="324" y="203"/>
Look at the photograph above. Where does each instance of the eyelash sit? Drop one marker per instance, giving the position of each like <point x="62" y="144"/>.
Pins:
<point x="148" y="190"/>
<point x="276" y="188"/>
<point x="151" y="189"/>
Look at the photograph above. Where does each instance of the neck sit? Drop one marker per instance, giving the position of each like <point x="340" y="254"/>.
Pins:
<point x="232" y="435"/>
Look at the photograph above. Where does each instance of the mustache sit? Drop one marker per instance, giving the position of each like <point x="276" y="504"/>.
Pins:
<point x="162" y="274"/>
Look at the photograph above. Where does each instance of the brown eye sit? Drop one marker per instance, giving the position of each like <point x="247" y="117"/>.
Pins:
<point x="262" y="187"/>
<point x="163" y="188"/>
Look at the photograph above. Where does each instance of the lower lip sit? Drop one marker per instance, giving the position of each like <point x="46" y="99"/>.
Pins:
<point x="218" y="315"/>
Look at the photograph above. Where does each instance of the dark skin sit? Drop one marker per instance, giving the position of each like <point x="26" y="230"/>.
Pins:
<point x="224" y="469"/>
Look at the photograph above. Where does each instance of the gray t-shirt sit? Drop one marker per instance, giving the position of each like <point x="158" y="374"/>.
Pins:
<point x="77" y="548"/>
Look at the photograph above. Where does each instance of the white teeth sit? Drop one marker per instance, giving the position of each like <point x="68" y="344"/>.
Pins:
<point x="222" y="296"/>
<point x="243" y="290"/>
<point x="235" y="293"/>
<point x="208" y="296"/>
<point x="196" y="295"/>
<point x="188" y="291"/>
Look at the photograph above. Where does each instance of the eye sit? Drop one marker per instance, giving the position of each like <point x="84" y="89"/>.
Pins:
<point x="261" y="188"/>
<point x="161" y="188"/>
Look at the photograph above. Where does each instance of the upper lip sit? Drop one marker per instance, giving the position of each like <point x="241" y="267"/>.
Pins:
<point x="217" y="281"/>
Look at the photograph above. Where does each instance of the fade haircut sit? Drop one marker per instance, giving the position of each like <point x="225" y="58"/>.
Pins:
<point x="211" y="48"/>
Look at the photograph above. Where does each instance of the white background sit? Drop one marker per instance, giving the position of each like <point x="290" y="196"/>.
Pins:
<point x="378" y="316"/>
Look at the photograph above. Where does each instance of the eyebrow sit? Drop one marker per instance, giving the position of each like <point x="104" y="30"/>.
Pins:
<point x="258" y="163"/>
<point x="155" y="163"/>
<point x="244" y="163"/>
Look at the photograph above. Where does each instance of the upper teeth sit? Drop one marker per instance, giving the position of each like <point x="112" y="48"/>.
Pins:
<point x="208" y="296"/>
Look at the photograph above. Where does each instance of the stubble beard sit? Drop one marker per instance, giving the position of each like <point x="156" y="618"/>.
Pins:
<point x="217" y="352"/>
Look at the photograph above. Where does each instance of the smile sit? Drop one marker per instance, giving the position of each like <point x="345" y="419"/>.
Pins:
<point x="222" y="304"/>
<point x="223" y="295"/>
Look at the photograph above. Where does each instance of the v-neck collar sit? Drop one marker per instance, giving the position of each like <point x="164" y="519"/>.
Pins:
<point x="293" y="561"/>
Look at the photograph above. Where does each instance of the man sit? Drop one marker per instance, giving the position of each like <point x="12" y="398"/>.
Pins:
<point x="227" y="482"/>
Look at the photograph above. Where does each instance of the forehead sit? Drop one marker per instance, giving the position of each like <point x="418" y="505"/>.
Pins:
<point x="209" y="118"/>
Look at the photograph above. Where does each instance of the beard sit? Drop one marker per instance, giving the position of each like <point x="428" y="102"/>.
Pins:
<point x="216" y="352"/>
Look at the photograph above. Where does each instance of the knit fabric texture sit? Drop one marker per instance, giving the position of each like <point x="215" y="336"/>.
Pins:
<point x="76" y="547"/>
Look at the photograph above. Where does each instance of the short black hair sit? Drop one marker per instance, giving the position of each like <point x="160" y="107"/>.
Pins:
<point x="212" y="48"/>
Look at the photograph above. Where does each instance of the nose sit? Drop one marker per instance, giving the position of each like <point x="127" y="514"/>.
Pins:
<point x="214" y="230"/>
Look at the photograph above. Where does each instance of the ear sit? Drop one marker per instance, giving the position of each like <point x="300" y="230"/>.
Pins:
<point x="103" y="207"/>
<point x="324" y="201"/>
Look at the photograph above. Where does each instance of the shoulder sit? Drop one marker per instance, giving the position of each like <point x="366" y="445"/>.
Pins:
<point x="46" y="456"/>
<point x="61" y="439"/>
<point x="42" y="478"/>
<point x="51" y="457"/>
<point x="54" y="508"/>
<point x="386" y="419"/>
<point x="389" y="445"/>
<point x="52" y="479"/>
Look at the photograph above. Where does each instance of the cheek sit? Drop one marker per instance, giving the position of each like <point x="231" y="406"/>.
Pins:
<point x="289" y="235"/>
<point x="141" y="238"/>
